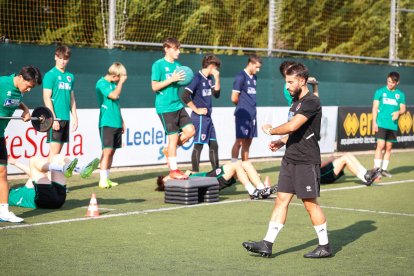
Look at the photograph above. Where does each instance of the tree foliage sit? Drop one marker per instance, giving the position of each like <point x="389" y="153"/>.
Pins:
<point x="348" y="27"/>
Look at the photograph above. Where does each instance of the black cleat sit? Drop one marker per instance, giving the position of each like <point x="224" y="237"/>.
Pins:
<point x="386" y="173"/>
<point x="266" y="192"/>
<point x="322" y="251"/>
<point x="264" y="248"/>
<point x="371" y="175"/>
<point x="256" y="194"/>
<point x="273" y="190"/>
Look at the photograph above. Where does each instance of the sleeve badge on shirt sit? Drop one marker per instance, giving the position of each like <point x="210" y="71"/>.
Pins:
<point x="298" y="107"/>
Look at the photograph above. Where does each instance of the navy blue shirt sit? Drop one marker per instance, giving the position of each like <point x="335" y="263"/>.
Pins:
<point x="246" y="86"/>
<point x="201" y="89"/>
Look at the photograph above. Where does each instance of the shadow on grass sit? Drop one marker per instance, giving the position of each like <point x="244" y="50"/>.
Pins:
<point x="338" y="238"/>
<point x="79" y="203"/>
<point x="402" y="169"/>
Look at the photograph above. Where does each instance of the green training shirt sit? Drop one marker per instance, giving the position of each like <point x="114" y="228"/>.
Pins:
<point x="10" y="99"/>
<point x="110" y="112"/>
<point x="61" y="85"/>
<point x="389" y="102"/>
<point x="287" y="95"/>
<point x="166" y="99"/>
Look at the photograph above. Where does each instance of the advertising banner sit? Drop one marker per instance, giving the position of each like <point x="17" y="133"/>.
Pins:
<point x="144" y="137"/>
<point x="355" y="129"/>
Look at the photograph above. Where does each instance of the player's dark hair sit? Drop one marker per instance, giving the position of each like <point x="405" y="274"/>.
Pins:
<point x="298" y="70"/>
<point x="171" y="42"/>
<point x="63" y="51"/>
<point x="253" y="58"/>
<point x="210" y="59"/>
<point x="394" y="76"/>
<point x="160" y="183"/>
<point x="285" y="65"/>
<point x="32" y="74"/>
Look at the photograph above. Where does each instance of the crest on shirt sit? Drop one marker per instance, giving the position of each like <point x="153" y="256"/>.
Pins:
<point x="203" y="136"/>
<point x="69" y="78"/>
<point x="298" y="107"/>
<point x="397" y="96"/>
<point x="218" y="171"/>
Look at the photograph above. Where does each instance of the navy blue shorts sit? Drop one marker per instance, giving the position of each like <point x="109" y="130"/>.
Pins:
<point x="204" y="127"/>
<point x="246" y="127"/>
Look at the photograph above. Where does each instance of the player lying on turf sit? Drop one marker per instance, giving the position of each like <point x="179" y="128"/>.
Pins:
<point x="42" y="192"/>
<point x="333" y="168"/>
<point x="244" y="171"/>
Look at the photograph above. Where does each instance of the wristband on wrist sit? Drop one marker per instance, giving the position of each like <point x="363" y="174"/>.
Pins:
<point x="267" y="131"/>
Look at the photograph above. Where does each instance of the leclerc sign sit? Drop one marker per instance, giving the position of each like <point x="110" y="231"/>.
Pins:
<point x="355" y="129"/>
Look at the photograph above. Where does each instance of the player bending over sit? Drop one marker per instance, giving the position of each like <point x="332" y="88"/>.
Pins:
<point x="42" y="192"/>
<point x="225" y="175"/>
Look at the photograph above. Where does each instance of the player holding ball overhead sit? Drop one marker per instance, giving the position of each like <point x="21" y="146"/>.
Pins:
<point x="165" y="76"/>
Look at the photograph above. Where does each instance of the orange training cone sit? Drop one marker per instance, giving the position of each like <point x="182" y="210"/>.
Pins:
<point x="267" y="181"/>
<point x="93" y="207"/>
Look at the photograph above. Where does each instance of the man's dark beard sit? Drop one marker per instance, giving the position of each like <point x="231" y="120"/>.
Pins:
<point x="296" y="94"/>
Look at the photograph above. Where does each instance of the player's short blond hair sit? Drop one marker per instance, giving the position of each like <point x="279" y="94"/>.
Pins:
<point x="117" y="69"/>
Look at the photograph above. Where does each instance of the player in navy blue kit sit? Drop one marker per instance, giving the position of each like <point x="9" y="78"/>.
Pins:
<point x="300" y="168"/>
<point x="197" y="96"/>
<point x="244" y="97"/>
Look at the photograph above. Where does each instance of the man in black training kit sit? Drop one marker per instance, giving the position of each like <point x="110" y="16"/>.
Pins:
<point x="300" y="168"/>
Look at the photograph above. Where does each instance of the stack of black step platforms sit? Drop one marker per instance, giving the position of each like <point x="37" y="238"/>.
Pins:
<point x="192" y="191"/>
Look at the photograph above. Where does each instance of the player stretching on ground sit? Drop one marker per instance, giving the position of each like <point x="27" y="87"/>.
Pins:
<point x="300" y="168"/>
<point x="388" y="105"/>
<point x="243" y="96"/>
<point x="244" y="171"/>
<point x="175" y="120"/>
<point x="197" y="96"/>
<point x="39" y="191"/>
<point x="111" y="124"/>
<point x="12" y="89"/>
<point x="59" y="97"/>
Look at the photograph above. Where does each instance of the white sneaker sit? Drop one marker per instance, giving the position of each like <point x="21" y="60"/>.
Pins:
<point x="10" y="217"/>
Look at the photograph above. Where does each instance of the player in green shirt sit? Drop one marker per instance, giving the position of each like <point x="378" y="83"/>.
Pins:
<point x="12" y="89"/>
<point x="388" y="105"/>
<point x="111" y="124"/>
<point x="176" y="122"/>
<point x="39" y="191"/>
<point x="59" y="97"/>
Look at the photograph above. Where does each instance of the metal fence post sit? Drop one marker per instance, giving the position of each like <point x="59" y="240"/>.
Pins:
<point x="271" y="27"/>
<point x="111" y="23"/>
<point x="392" y="52"/>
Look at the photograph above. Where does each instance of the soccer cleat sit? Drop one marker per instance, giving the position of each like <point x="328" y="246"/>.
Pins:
<point x="111" y="183"/>
<point x="273" y="190"/>
<point x="69" y="167"/>
<point x="264" y="248"/>
<point x="89" y="168"/>
<point x="266" y="192"/>
<point x="371" y="175"/>
<point x="386" y="173"/>
<point x="9" y="217"/>
<point x="321" y="251"/>
<point x="177" y="174"/>
<point x="256" y="194"/>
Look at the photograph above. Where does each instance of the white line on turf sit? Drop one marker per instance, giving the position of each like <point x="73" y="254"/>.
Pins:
<point x="210" y="204"/>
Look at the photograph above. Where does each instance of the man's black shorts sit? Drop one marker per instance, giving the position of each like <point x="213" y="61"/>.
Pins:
<point x="328" y="175"/>
<point x="174" y="122"/>
<point x="3" y="151"/>
<point x="61" y="135"/>
<point x="111" y="137"/>
<point x="386" y="134"/>
<point x="300" y="179"/>
<point x="50" y="196"/>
